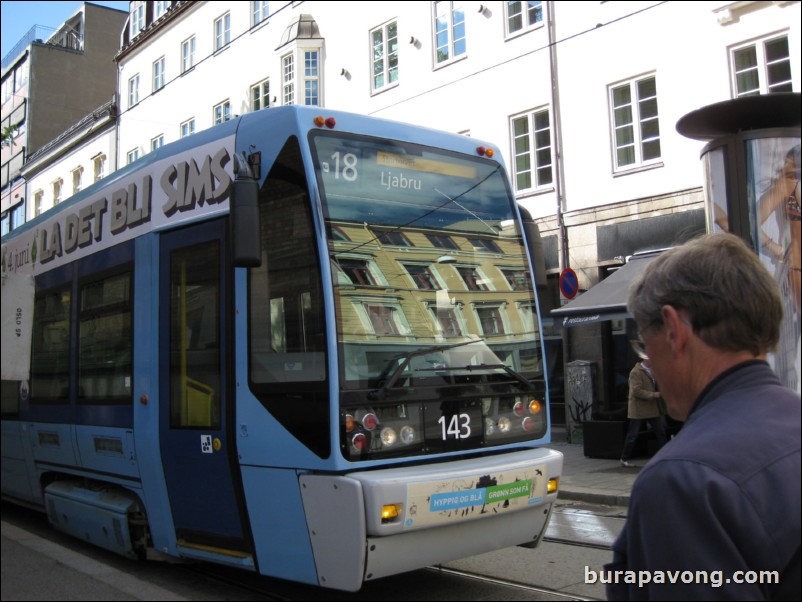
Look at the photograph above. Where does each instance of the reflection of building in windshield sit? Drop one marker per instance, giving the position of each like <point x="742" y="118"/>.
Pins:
<point x="420" y="287"/>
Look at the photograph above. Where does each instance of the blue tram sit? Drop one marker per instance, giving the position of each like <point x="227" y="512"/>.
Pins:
<point x="308" y="346"/>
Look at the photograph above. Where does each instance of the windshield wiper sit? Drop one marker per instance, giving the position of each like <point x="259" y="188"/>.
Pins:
<point x="515" y="374"/>
<point x="387" y="383"/>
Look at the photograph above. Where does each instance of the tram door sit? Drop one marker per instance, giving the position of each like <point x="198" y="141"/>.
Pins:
<point x="194" y="423"/>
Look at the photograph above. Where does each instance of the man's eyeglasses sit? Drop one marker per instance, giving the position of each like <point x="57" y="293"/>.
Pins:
<point x="638" y="346"/>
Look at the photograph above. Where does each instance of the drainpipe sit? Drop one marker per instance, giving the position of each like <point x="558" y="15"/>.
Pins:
<point x="559" y="178"/>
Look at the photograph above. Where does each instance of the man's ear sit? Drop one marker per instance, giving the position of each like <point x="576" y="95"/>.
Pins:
<point x="676" y="329"/>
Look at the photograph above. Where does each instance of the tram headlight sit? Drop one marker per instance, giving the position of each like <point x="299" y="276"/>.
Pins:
<point x="388" y="436"/>
<point x="490" y="427"/>
<point x="407" y="434"/>
<point x="504" y="424"/>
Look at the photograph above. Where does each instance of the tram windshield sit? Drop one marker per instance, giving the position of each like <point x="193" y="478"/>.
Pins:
<point x="430" y="274"/>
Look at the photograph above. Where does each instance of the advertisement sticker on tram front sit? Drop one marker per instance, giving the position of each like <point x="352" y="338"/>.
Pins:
<point x="440" y="502"/>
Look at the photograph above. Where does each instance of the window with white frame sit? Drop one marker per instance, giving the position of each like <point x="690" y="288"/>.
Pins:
<point x="523" y="16"/>
<point x="188" y="128"/>
<point x="133" y="155"/>
<point x="532" y="150"/>
<point x="187" y="54"/>
<point x="77" y="179"/>
<point x="57" y="186"/>
<point x="311" y="78"/>
<point x="636" y="135"/>
<point x="288" y="79"/>
<point x="133" y="90"/>
<point x="259" y="12"/>
<point x="384" y="50"/>
<point x="99" y="163"/>
<point x="161" y="8"/>
<point x="158" y="74"/>
<point x="423" y="277"/>
<point x="137" y="21"/>
<point x="38" y="200"/>
<point x="222" y="31"/>
<point x="156" y="142"/>
<point x="448" y="320"/>
<point x="449" y="31"/>
<point x="222" y="112"/>
<point x="762" y="68"/>
<point x="260" y="95"/>
<point x="491" y="320"/>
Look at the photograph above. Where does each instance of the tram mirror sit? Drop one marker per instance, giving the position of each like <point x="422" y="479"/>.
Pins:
<point x="245" y="231"/>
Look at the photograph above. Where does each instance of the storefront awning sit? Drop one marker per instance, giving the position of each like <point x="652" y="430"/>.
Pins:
<point x="607" y="300"/>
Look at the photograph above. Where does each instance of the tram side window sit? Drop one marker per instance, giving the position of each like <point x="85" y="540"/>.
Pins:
<point x="287" y="340"/>
<point x="50" y="347"/>
<point x="105" y="340"/>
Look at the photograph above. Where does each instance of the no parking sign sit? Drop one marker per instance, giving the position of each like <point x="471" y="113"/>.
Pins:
<point x="569" y="283"/>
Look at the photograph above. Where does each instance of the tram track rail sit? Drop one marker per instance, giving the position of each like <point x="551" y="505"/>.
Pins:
<point x="507" y="583"/>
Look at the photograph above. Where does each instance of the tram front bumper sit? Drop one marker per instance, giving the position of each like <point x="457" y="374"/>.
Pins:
<point x="446" y="511"/>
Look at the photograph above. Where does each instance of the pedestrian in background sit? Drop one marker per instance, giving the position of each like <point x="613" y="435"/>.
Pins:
<point x="723" y="500"/>
<point x="644" y="405"/>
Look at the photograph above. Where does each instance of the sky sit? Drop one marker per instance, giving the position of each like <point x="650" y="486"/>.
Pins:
<point x="17" y="17"/>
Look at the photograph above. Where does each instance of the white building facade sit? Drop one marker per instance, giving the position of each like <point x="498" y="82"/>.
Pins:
<point x="581" y="98"/>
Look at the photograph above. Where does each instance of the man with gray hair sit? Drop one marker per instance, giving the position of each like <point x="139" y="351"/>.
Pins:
<point x="716" y="513"/>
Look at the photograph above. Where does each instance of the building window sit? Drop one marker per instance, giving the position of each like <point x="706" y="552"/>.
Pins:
<point x="133" y="90"/>
<point x="531" y="141"/>
<point x="38" y="202"/>
<point x="311" y="78"/>
<point x="222" y="112"/>
<point x="161" y="8"/>
<point x="518" y="279"/>
<point x="448" y="321"/>
<point x="57" y="186"/>
<point x="358" y="272"/>
<point x="384" y="47"/>
<point x="423" y="277"/>
<point x="99" y="167"/>
<point x="222" y="31"/>
<point x="133" y="155"/>
<point x="442" y="242"/>
<point x="491" y="321"/>
<point x="157" y="142"/>
<point x="762" y="68"/>
<point x="188" y="128"/>
<point x="385" y="319"/>
<point x="259" y="12"/>
<point x="391" y="238"/>
<point x="522" y="16"/>
<point x="187" y="54"/>
<point x="77" y="180"/>
<point x="484" y="245"/>
<point x="137" y="18"/>
<point x="260" y="95"/>
<point x="288" y="79"/>
<point x="449" y="31"/>
<point x="474" y="281"/>
<point x="158" y="74"/>
<point x="637" y="131"/>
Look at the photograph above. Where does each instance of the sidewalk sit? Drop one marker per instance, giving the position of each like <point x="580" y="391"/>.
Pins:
<point x="595" y="480"/>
